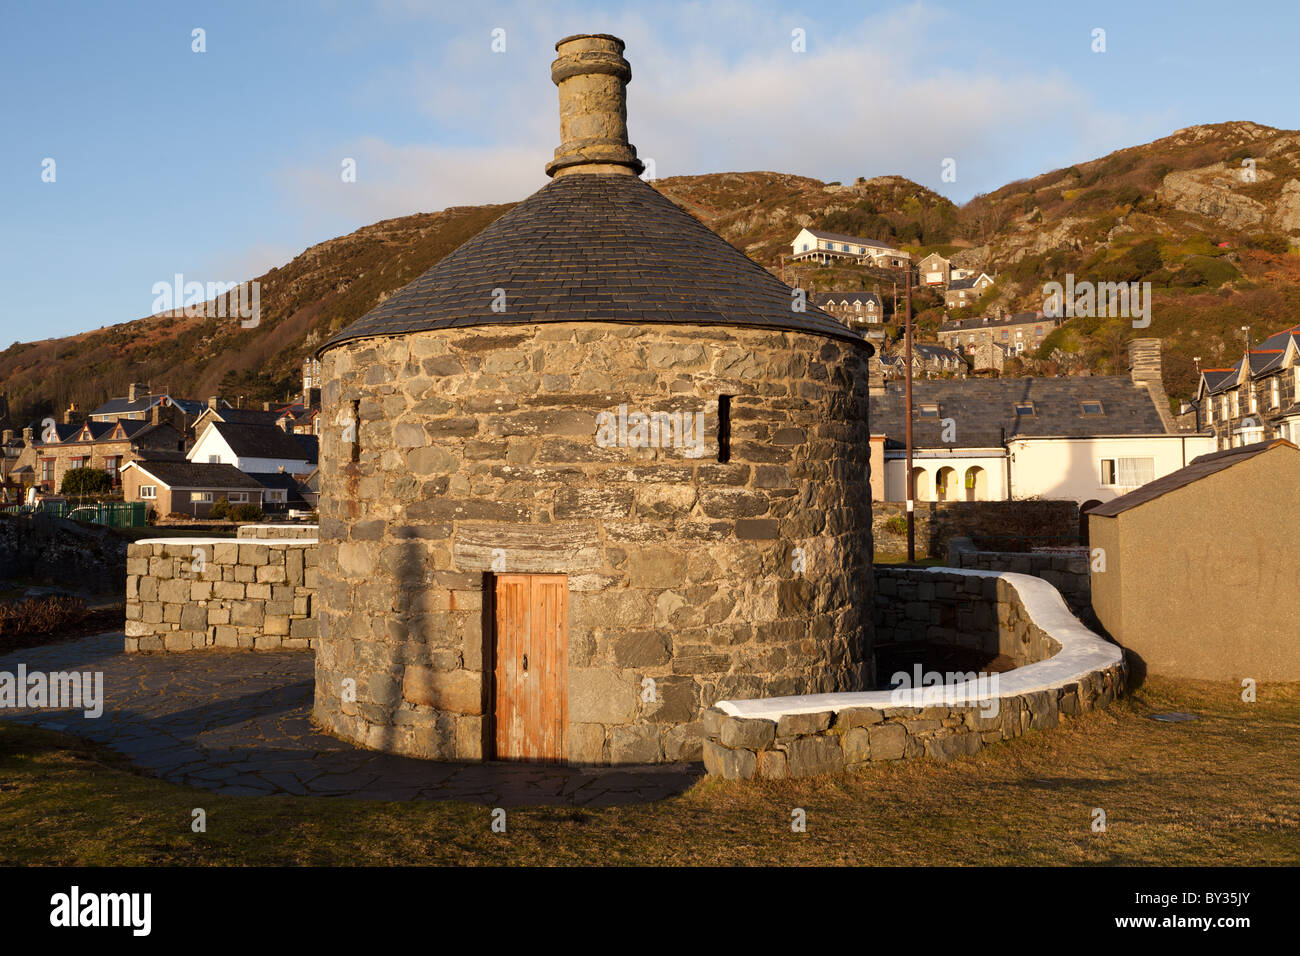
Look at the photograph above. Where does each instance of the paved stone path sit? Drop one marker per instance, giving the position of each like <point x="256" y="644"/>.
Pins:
<point x="237" y="722"/>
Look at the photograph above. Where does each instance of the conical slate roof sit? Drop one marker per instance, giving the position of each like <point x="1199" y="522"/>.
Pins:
<point x="594" y="248"/>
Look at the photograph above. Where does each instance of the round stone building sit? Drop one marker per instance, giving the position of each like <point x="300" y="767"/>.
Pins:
<point x="591" y="473"/>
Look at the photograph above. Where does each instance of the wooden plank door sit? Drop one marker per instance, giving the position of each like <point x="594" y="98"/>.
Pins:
<point x="531" y="708"/>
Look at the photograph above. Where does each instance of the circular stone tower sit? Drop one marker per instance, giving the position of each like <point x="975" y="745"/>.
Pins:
<point x="589" y="474"/>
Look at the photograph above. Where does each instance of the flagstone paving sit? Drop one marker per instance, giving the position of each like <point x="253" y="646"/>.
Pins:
<point x="236" y="722"/>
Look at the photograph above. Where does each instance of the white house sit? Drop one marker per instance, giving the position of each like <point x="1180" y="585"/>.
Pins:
<point x="1085" y="438"/>
<point x="255" y="448"/>
<point x="820" y="246"/>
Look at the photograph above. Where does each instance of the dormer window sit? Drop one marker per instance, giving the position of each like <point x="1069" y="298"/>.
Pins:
<point x="1092" y="408"/>
<point x="1025" y="409"/>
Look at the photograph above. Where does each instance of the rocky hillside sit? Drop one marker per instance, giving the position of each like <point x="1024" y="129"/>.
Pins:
<point x="1212" y="236"/>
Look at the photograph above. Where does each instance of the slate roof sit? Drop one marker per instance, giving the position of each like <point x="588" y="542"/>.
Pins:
<point x="266" y="441"/>
<point x="195" y="474"/>
<point x="119" y="406"/>
<point x="1265" y="357"/>
<point x="822" y="299"/>
<point x="594" y="247"/>
<point x="1197" y="469"/>
<point x="248" y="416"/>
<point x="988" y="322"/>
<point x="282" y="480"/>
<point x="982" y="407"/>
<point x="854" y="240"/>
<point x="956" y="285"/>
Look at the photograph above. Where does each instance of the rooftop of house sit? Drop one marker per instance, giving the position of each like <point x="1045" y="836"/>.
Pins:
<point x="194" y="474"/>
<point x="1197" y="469"/>
<point x="142" y="403"/>
<point x="267" y="441"/>
<point x="131" y="429"/>
<point x="823" y="299"/>
<point x="1265" y="357"/>
<point x="990" y="322"/>
<point x="854" y="240"/>
<point x="1025" y="407"/>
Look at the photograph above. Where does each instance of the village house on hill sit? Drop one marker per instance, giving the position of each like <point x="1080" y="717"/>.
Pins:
<point x="966" y="291"/>
<point x="1257" y="398"/>
<point x="104" y="445"/>
<point x="815" y="245"/>
<point x="851" y="308"/>
<point x="1087" y="439"/>
<point x="1023" y="331"/>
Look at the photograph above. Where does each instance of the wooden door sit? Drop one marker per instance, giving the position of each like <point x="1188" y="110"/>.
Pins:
<point x="531" y="706"/>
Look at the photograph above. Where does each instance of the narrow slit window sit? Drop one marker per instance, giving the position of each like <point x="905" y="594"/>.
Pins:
<point x="724" y="428"/>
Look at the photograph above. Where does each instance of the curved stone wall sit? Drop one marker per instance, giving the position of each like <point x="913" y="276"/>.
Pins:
<point x="690" y="579"/>
<point x="1068" y="670"/>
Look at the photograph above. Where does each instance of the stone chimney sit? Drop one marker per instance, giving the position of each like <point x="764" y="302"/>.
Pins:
<point x="29" y="437"/>
<point x="8" y="435"/>
<point x="1145" y="370"/>
<point x="876" y="373"/>
<point x="592" y="75"/>
<point x="213" y="401"/>
<point x="136" y="390"/>
<point x="70" y="413"/>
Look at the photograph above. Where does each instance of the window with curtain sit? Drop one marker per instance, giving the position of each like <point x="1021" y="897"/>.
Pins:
<point x="1136" y="471"/>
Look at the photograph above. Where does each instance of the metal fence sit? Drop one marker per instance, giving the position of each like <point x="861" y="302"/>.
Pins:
<point x="113" y="514"/>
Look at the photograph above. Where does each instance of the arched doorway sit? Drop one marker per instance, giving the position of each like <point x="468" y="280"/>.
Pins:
<point x="976" y="484"/>
<point x="921" y="484"/>
<point x="945" y="484"/>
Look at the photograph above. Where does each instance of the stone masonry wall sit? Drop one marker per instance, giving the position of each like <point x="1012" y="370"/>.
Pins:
<point x="996" y="524"/>
<point x="816" y="740"/>
<point x="196" y="593"/>
<point x="276" y="531"/>
<point x="476" y="451"/>
<point x="983" y="613"/>
<point x="1067" y="571"/>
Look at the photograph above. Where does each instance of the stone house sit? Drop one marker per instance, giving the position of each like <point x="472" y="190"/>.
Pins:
<point x="1258" y="398"/>
<point x="576" y="477"/>
<point x="966" y="292"/>
<point x="186" y="487"/>
<point x="988" y="356"/>
<point x="1088" y="438"/>
<point x="1023" y="331"/>
<point x="108" y="446"/>
<point x="851" y="308"/>
<point x="934" y="270"/>
<point x="928" y="361"/>
<point x="1199" y="566"/>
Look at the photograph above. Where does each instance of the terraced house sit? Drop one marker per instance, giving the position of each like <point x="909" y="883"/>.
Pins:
<point x="1015" y="333"/>
<point x="104" y="445"/>
<point x="851" y="308"/>
<point x="1257" y="398"/>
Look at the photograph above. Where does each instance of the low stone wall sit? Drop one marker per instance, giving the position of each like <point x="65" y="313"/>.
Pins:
<point x="276" y="531"/>
<point x="980" y="612"/>
<point x="826" y="733"/>
<point x="990" y="524"/>
<point x="1067" y="571"/>
<point x="196" y="593"/>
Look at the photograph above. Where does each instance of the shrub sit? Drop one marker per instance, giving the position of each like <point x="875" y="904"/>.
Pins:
<point x="42" y="615"/>
<point x="86" y="481"/>
<point x="221" y="509"/>
<point x="1202" y="270"/>
<point x="248" y="512"/>
<point x="896" y="524"/>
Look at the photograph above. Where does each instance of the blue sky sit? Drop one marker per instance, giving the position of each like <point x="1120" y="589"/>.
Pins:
<point x="221" y="164"/>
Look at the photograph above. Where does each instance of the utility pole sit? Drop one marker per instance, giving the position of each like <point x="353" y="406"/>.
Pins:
<point x="911" y="479"/>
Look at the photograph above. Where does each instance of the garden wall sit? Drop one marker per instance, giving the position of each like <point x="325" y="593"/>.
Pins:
<point x="997" y="525"/>
<point x="196" y="593"/>
<point x="276" y="531"/>
<point x="827" y="733"/>
<point x="1067" y="571"/>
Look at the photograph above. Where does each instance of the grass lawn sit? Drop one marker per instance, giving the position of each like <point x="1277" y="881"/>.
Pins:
<point x="1221" y="790"/>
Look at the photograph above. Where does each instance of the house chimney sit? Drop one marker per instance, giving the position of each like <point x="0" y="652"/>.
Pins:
<point x="592" y="75"/>
<point x="29" y="437"/>
<point x="1144" y="360"/>
<point x="67" y="415"/>
<point x="212" y="401"/>
<point x="136" y="390"/>
<point x="8" y="435"/>
<point x="875" y="375"/>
